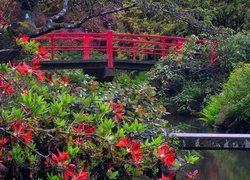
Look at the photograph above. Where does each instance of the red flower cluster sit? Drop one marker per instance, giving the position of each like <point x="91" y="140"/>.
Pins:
<point x="18" y="129"/>
<point x="132" y="147"/>
<point x="61" y="161"/>
<point x="23" y="38"/>
<point x="81" y="176"/>
<point x="166" y="154"/>
<point x="117" y="110"/>
<point x="6" y="87"/>
<point x="3" y="141"/>
<point x="25" y="69"/>
<point x="192" y="175"/>
<point x="85" y="128"/>
<point x="34" y="68"/>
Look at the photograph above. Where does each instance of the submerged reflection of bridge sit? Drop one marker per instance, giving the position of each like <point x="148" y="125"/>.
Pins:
<point x="111" y="45"/>
<point x="213" y="141"/>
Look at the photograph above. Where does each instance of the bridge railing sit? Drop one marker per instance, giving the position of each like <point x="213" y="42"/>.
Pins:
<point x="111" y="44"/>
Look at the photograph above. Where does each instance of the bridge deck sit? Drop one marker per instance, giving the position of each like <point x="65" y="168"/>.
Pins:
<point x="97" y="64"/>
<point x="98" y="68"/>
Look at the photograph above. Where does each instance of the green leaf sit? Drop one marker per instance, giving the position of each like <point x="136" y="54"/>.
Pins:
<point x="113" y="175"/>
<point x="54" y="177"/>
<point x="56" y="108"/>
<point x="18" y="154"/>
<point x="4" y="68"/>
<point x="73" y="151"/>
<point x="105" y="128"/>
<point x="60" y="122"/>
<point x="16" y="113"/>
<point x="67" y="99"/>
<point x="105" y="108"/>
<point x="83" y="117"/>
<point x="192" y="157"/>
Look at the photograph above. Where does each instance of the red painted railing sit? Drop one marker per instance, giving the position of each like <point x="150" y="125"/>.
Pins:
<point x="111" y="43"/>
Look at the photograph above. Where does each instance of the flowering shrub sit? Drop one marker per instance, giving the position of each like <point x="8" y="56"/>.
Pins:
<point x="52" y="128"/>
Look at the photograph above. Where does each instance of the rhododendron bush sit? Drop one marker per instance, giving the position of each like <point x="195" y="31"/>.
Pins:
<point x="55" y="128"/>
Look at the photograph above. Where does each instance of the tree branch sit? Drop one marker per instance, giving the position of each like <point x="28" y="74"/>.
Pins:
<point x="51" y="27"/>
<point x="61" y="13"/>
<point x="170" y="8"/>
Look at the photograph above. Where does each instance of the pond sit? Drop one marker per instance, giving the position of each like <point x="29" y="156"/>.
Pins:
<point x="214" y="164"/>
<point x="222" y="165"/>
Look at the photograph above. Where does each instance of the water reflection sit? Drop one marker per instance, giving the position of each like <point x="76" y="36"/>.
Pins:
<point x="214" y="164"/>
<point x="222" y="165"/>
<point x="189" y="124"/>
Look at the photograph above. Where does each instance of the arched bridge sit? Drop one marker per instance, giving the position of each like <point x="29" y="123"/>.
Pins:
<point x="140" y="51"/>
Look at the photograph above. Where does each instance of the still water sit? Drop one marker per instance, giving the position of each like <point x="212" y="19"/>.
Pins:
<point x="222" y="165"/>
<point x="215" y="164"/>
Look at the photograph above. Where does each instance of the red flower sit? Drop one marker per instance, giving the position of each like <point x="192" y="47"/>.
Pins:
<point x="24" y="38"/>
<point x="136" y="152"/>
<point x="23" y="68"/>
<point x="166" y="154"/>
<point x="81" y="176"/>
<point x="3" y="141"/>
<point x="68" y="171"/>
<point x="85" y="128"/>
<point x="124" y="142"/>
<point x="42" y="50"/>
<point x="39" y="75"/>
<point x="61" y="162"/>
<point x="133" y="147"/>
<point x="78" y="141"/>
<point x="6" y="88"/>
<point x="62" y="157"/>
<point x="18" y="129"/>
<point x="117" y="110"/>
<point x="192" y="175"/>
<point x="170" y="176"/>
<point x="49" y="78"/>
<point x="137" y="157"/>
<point x="35" y="63"/>
<point x="26" y="137"/>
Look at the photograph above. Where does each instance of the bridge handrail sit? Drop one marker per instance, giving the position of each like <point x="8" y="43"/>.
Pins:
<point x="116" y="42"/>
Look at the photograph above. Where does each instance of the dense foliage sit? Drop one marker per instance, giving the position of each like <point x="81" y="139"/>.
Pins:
<point x="55" y="128"/>
<point x="185" y="80"/>
<point x="230" y="108"/>
<point x="170" y="17"/>
<point x="234" y="49"/>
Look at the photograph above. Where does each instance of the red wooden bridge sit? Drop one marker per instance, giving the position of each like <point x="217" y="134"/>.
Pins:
<point x="110" y="45"/>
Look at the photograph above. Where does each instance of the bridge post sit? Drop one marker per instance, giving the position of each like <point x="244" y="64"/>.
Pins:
<point x="163" y="47"/>
<point x="110" y="48"/>
<point x="86" y="49"/>
<point x="179" y="50"/>
<point x="134" y="49"/>
<point x="214" y="52"/>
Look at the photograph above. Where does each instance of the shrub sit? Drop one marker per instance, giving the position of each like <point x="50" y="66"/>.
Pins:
<point x="234" y="49"/>
<point x="230" y="108"/>
<point x="185" y="80"/>
<point x="52" y="128"/>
